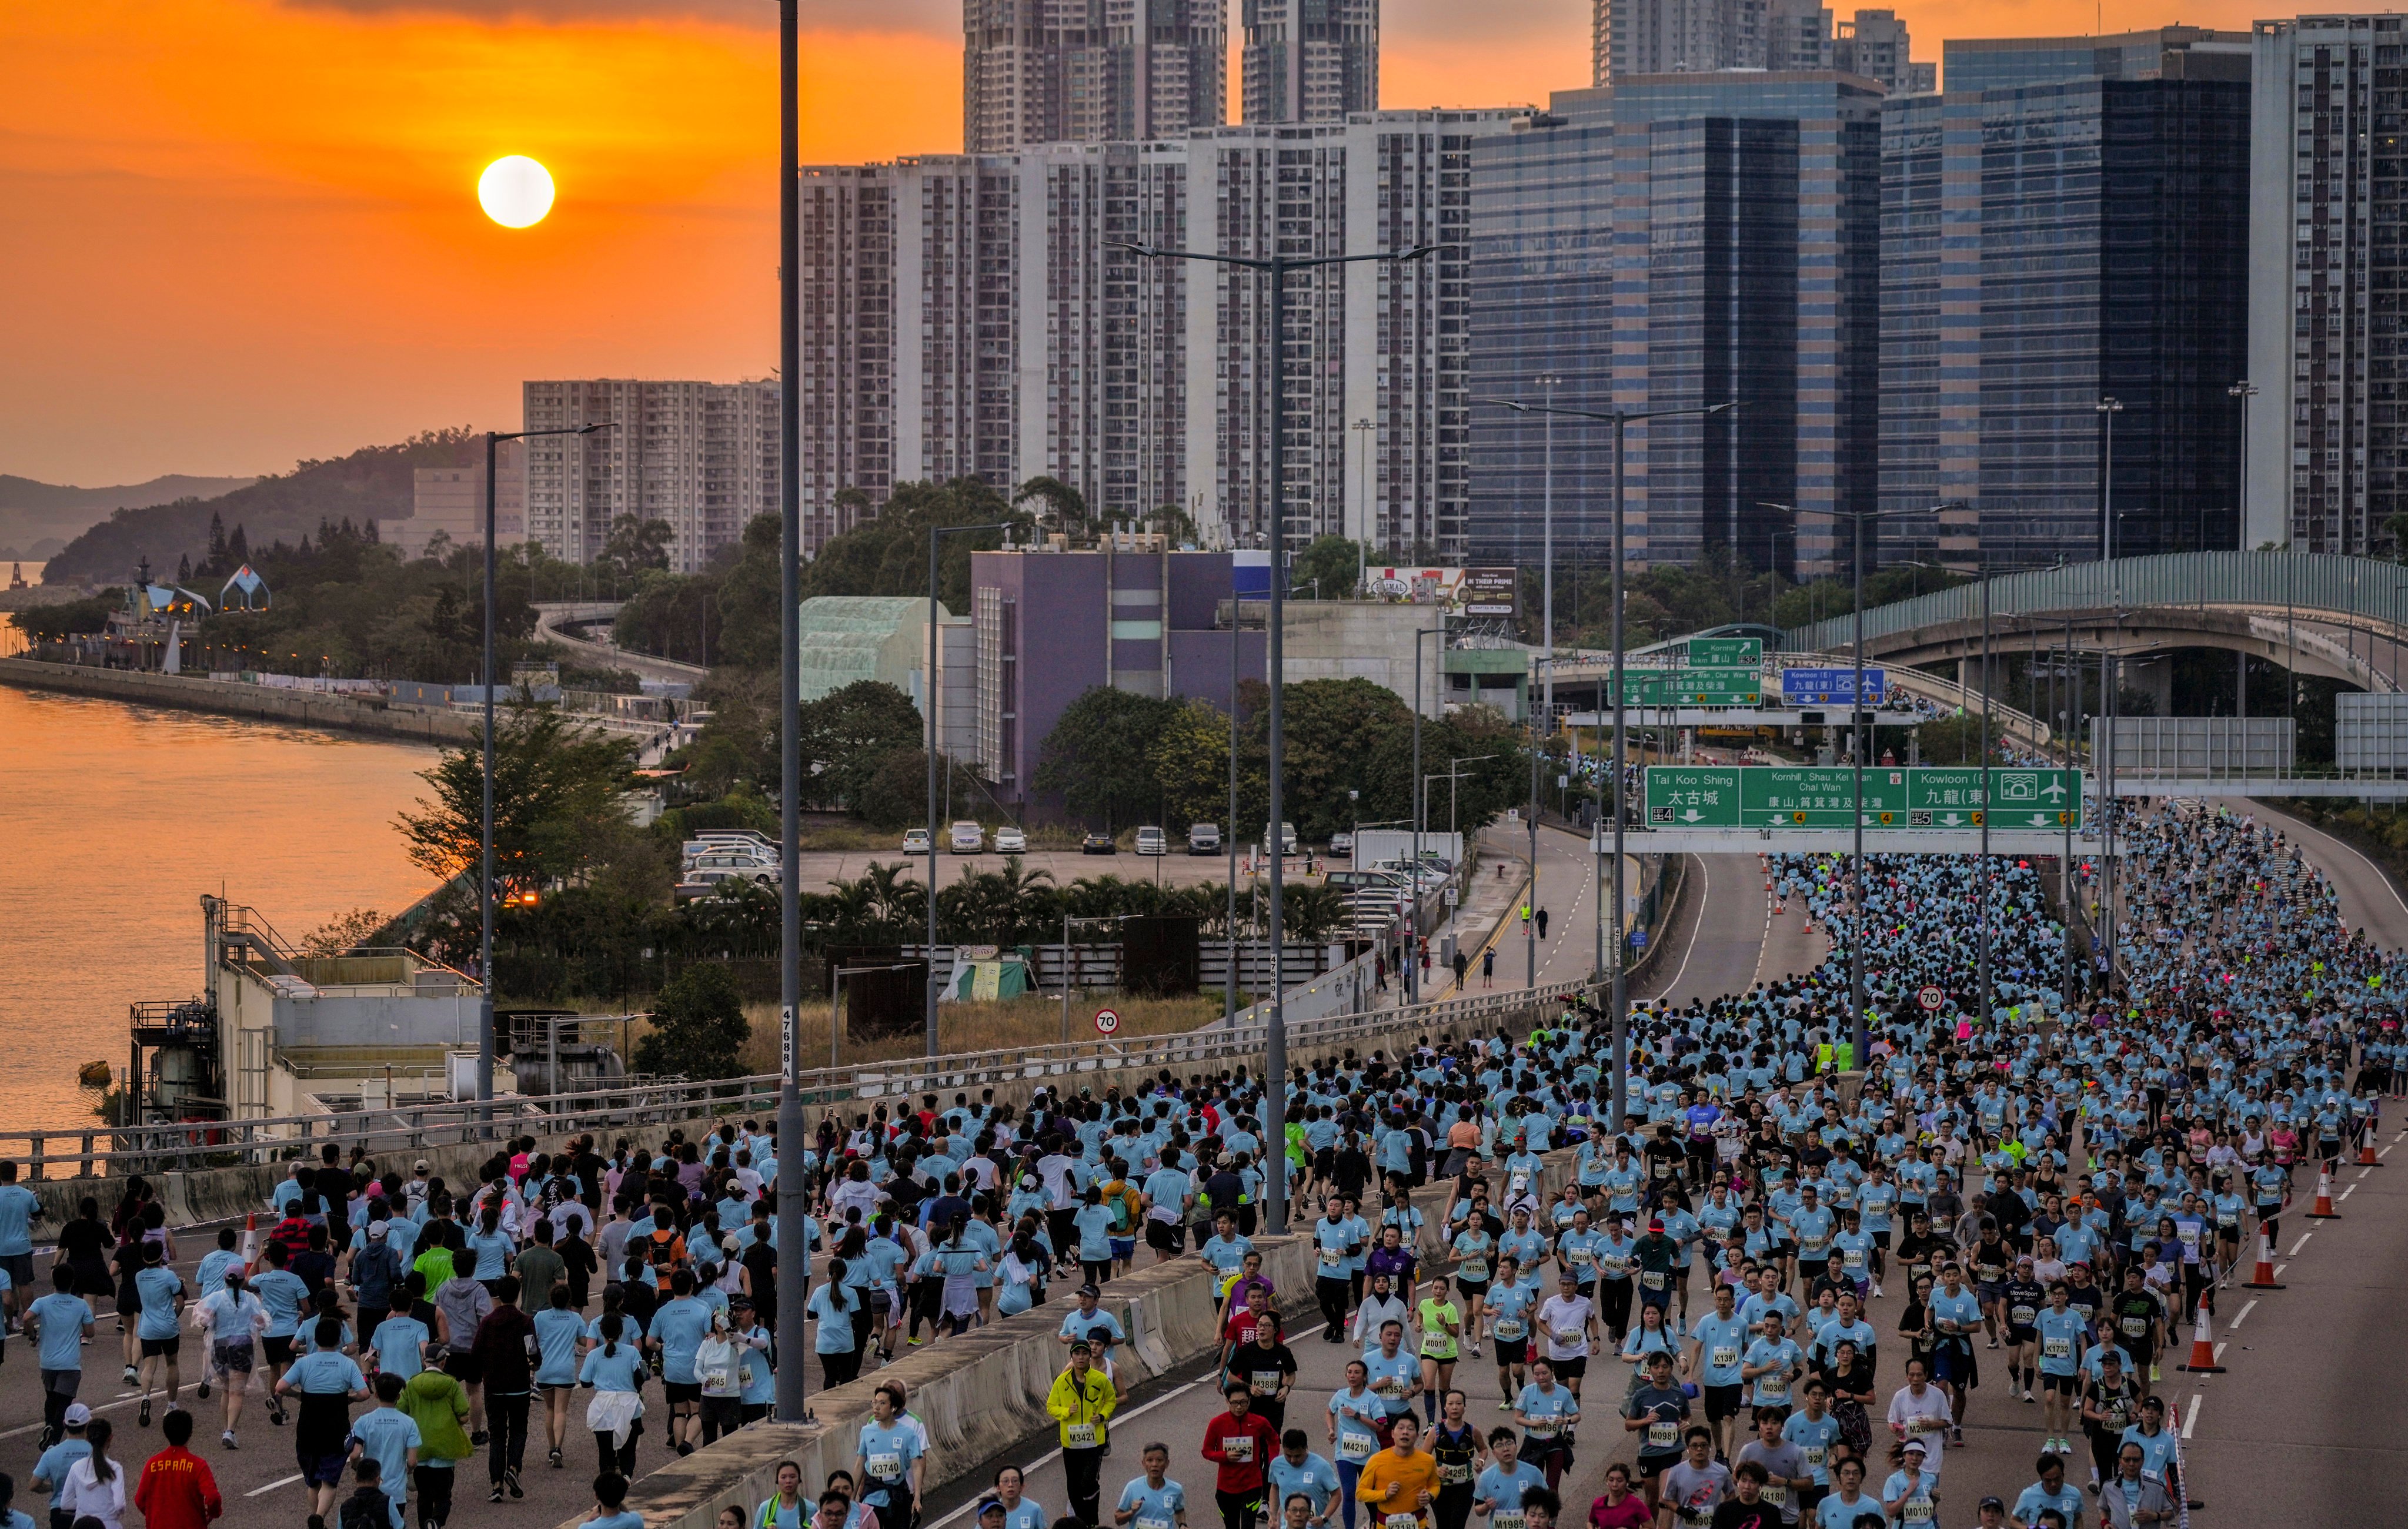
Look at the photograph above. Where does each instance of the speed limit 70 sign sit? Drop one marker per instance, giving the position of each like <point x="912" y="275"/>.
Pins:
<point x="1108" y="1022"/>
<point x="1931" y="998"/>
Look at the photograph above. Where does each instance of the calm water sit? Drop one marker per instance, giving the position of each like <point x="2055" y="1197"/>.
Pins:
<point x="115" y="819"/>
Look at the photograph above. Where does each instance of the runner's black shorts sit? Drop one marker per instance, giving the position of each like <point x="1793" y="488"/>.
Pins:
<point x="170" y="1346"/>
<point x="1724" y="1401"/>
<point x="1472" y="1289"/>
<point x="1512" y="1352"/>
<point x="2069" y="1384"/>
<point x="1162" y="1237"/>
<point x="680" y="1391"/>
<point x="1569" y="1370"/>
<point x="278" y="1351"/>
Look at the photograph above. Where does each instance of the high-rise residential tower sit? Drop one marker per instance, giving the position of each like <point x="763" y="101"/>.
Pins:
<point x="2328" y="268"/>
<point x="977" y="316"/>
<point x="1311" y="60"/>
<point x="701" y="456"/>
<point x="1084" y="71"/>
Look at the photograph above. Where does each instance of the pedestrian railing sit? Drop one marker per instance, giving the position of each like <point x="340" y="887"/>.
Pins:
<point x="199" y="1145"/>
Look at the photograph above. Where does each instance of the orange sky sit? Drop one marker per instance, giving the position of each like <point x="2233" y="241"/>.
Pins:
<point x="239" y="232"/>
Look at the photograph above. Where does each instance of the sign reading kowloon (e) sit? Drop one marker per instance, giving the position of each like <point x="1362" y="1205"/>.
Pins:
<point x="1824" y="797"/>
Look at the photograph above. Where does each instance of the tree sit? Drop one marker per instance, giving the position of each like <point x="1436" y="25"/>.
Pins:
<point x="1099" y="756"/>
<point x="847" y="733"/>
<point x="1064" y="505"/>
<point x="636" y="545"/>
<point x="1329" y="567"/>
<point x="555" y="801"/>
<point x="1190" y="760"/>
<point x="889" y="555"/>
<point x="698" y="1028"/>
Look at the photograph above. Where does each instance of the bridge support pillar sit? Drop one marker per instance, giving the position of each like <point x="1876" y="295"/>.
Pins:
<point x="2153" y="677"/>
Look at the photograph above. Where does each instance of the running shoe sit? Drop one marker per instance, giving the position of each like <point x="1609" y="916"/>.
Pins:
<point x="226" y="1439"/>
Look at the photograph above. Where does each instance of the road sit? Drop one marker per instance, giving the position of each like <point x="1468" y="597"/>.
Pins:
<point x="607" y="655"/>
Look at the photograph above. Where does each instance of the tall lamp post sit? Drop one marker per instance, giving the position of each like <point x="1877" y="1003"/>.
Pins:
<point x="1859" y="743"/>
<point x="485" y="837"/>
<point x="2245" y="390"/>
<point x="928" y="703"/>
<point x="1364" y="431"/>
<point x="1542" y="716"/>
<point x="2111" y="681"/>
<point x="1621" y="420"/>
<point x="792" y="1187"/>
<point x="1274" y="267"/>
<point x="1414" y="885"/>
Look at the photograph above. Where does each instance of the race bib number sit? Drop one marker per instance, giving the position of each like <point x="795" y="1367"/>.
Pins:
<point x="2135" y="1326"/>
<point x="1356" y="1448"/>
<point x="1812" y="1248"/>
<point x="1774" y="1494"/>
<point x="1509" y="1328"/>
<point x="1774" y="1387"/>
<point x="1915" y="1509"/>
<point x="1579" y="1258"/>
<point x="1401" y="1521"/>
<point x="2022" y="1315"/>
<point x="1543" y="1427"/>
<point x="1725" y="1357"/>
<point x="1390" y="1387"/>
<point x="1267" y="1383"/>
<point x="1153" y="1524"/>
<point x="1853" y="1258"/>
<point x="1473" y="1269"/>
<point x="1507" y="1520"/>
<point x="1663" y="1436"/>
<point x="889" y="1467"/>
<point x="1240" y="1449"/>
<point x="2056" y="1347"/>
<point x="1078" y="1436"/>
<point x="1454" y="1476"/>
<point x="1815" y="1454"/>
<point x="1654" y="1279"/>
<point x="1331" y="1264"/>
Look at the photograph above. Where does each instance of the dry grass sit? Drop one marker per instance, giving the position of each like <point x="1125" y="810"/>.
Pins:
<point x="1030" y="1019"/>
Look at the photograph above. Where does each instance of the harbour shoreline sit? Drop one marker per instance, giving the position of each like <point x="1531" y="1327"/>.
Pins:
<point x="432" y="726"/>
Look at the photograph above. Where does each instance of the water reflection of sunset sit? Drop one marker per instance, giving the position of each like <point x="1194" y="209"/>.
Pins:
<point x="115" y="819"/>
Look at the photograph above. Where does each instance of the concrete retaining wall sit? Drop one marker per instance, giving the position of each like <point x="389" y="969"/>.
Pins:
<point x="230" y="698"/>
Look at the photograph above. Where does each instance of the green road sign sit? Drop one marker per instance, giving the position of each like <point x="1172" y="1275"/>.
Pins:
<point x="1822" y="796"/>
<point x="1726" y="653"/>
<point x="1694" y="795"/>
<point x="1695" y="687"/>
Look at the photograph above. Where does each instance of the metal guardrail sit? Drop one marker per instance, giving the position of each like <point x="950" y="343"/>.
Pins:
<point x="199" y="1145"/>
<point x="2364" y="592"/>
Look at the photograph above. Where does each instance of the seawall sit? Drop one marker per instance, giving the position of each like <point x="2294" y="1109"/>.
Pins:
<point x="230" y="698"/>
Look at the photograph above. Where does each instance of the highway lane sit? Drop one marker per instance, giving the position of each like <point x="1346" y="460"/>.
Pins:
<point x="2369" y="899"/>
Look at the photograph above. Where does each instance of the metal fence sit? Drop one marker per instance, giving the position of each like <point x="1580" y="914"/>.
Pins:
<point x="2362" y="591"/>
<point x="2193" y="747"/>
<point x="2371" y="733"/>
<point x="196" y="1146"/>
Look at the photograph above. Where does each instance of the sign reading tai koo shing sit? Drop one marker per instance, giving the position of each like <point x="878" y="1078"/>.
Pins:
<point x="1922" y="796"/>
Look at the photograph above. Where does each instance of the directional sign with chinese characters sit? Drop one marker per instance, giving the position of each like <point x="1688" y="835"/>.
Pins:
<point x="1831" y="687"/>
<point x="1726" y="653"/>
<point x="1824" y="797"/>
<point x="1694" y="795"/>
<point x="1739" y="687"/>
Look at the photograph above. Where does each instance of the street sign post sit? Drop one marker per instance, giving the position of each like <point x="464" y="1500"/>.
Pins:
<point x="1931" y="998"/>
<point x="1896" y="797"/>
<point x="1726" y="653"/>
<point x="1832" y="687"/>
<point x="1108" y="1022"/>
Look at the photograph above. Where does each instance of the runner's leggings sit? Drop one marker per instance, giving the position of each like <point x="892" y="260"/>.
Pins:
<point x="1332" y="1293"/>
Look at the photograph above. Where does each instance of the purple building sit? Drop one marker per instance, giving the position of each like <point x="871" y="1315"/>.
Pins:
<point x="1050" y="625"/>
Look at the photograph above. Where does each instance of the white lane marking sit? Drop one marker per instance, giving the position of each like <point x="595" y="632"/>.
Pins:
<point x="2387" y="1151"/>
<point x="2301" y="1243"/>
<point x="2219" y="1353"/>
<point x="124" y="1398"/>
<point x="282" y="1481"/>
<point x="1705" y="900"/>
<point x="1051" y="1455"/>
<point x="2279" y="1268"/>
<point x="2347" y="1193"/>
<point x="2377" y="871"/>
<point x="2190" y="1415"/>
<point x="2241" y="1316"/>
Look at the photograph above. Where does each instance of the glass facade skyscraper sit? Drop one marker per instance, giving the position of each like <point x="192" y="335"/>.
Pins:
<point x="2043" y="249"/>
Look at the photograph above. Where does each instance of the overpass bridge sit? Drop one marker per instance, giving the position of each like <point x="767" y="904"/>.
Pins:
<point x="2338" y="617"/>
<point x="561" y="622"/>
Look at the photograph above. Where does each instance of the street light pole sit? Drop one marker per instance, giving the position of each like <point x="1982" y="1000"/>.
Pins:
<point x="485" y="749"/>
<point x="793" y="1186"/>
<point x="1363" y="430"/>
<point x="2110" y="677"/>
<point x="1620" y="420"/>
<point x="1411" y="984"/>
<point x="1275" y="268"/>
<point x="930" y="667"/>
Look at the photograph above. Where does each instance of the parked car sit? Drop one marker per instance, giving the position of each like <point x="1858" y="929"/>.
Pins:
<point x="1203" y="838"/>
<point x="916" y="842"/>
<point x="967" y="839"/>
<point x="721" y="864"/>
<point x="1341" y="846"/>
<point x="1152" y="841"/>
<point x="1011" y="841"/>
<point x="1286" y="838"/>
<point x="1096" y="844"/>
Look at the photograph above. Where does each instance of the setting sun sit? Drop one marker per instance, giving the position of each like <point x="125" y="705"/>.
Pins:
<point x="515" y="191"/>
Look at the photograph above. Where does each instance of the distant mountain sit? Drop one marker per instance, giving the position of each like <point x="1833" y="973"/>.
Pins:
<point x="373" y="484"/>
<point x="26" y="494"/>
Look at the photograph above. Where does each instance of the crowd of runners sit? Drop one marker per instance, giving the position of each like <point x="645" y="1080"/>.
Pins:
<point x="1765" y="1296"/>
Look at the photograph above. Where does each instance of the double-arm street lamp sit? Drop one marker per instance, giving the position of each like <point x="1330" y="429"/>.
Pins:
<point x="1620" y="420"/>
<point x="485" y="838"/>
<point x="1275" y="267"/>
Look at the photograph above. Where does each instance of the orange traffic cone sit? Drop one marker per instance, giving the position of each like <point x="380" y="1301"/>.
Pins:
<point x="249" y="1240"/>
<point x="2324" y="1210"/>
<point x="2366" y="1151"/>
<point x="2263" y="1276"/>
<point x="2202" y="1346"/>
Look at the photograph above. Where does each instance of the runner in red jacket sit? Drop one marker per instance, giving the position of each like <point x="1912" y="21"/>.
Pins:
<point x="1240" y="1442"/>
<point x="177" y="1489"/>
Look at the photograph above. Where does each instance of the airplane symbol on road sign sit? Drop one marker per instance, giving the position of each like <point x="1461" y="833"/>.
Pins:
<point x="2055" y="788"/>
